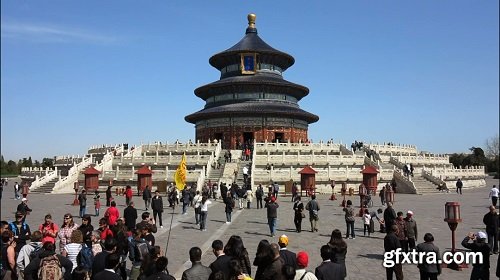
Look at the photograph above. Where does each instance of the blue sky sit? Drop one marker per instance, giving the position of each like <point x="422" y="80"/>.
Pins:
<point x="80" y="73"/>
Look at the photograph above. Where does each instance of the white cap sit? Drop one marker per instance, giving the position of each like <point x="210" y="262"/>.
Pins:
<point x="409" y="212"/>
<point x="24" y="199"/>
<point x="481" y="235"/>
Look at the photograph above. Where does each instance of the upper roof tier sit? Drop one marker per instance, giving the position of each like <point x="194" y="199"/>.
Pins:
<point x="251" y="42"/>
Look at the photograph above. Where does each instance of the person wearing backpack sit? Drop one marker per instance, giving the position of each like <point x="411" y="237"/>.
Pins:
<point x="29" y="251"/>
<point x="138" y="249"/>
<point x="302" y="262"/>
<point x="48" y="265"/>
<point x="21" y="231"/>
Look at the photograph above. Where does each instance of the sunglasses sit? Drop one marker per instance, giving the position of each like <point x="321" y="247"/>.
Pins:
<point x="67" y="218"/>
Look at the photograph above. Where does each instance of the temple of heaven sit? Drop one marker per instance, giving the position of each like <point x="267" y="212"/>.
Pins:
<point x="251" y="101"/>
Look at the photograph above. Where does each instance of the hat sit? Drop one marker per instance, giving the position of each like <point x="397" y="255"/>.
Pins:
<point x="409" y="212"/>
<point x="481" y="235"/>
<point x="24" y="199"/>
<point x="283" y="240"/>
<point x="273" y="199"/>
<point x="302" y="259"/>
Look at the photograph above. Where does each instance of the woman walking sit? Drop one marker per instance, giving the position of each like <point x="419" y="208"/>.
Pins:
<point x="229" y="201"/>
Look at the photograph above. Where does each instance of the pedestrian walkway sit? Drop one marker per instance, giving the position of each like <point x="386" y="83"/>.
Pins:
<point x="364" y="258"/>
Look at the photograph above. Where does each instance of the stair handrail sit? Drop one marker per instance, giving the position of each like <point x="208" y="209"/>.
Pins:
<point x="370" y="162"/>
<point x="73" y="172"/>
<point x="431" y="178"/>
<point x="106" y="163"/>
<point x="402" y="178"/>
<point x="344" y="150"/>
<point x="40" y="181"/>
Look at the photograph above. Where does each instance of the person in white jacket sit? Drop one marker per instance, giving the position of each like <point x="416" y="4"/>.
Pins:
<point x="23" y="259"/>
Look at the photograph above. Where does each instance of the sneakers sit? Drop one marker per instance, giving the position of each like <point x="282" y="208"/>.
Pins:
<point x="228" y="222"/>
<point x="161" y="226"/>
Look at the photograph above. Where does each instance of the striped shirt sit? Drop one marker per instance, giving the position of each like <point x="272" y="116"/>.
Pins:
<point x="73" y="249"/>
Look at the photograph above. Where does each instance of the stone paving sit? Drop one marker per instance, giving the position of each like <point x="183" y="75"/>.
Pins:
<point x="365" y="254"/>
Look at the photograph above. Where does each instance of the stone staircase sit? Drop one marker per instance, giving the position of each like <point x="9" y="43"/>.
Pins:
<point x="215" y="174"/>
<point x="423" y="186"/>
<point x="239" y="178"/>
<point x="47" y="187"/>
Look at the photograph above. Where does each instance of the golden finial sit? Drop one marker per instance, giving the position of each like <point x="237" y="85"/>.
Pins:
<point x="251" y="20"/>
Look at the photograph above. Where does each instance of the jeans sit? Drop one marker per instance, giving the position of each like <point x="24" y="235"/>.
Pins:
<point x="197" y="215"/>
<point x="203" y="219"/>
<point x="350" y="229"/>
<point x="228" y="216"/>
<point x="97" y="212"/>
<point x="493" y="242"/>
<point x="314" y="224"/>
<point x="259" y="203"/>
<point x="16" y="195"/>
<point x="272" y="225"/>
<point x="184" y="207"/>
<point x="159" y="220"/>
<point x="82" y="211"/>
<point x="366" y="228"/>
<point x="240" y="203"/>
<point x="147" y="203"/>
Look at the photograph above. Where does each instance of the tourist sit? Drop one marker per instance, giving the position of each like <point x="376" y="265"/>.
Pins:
<point x="222" y="261"/>
<point x="272" y="215"/>
<point x="494" y="195"/>
<point x="402" y="232"/>
<point x="235" y="249"/>
<point x="313" y="207"/>
<point x="197" y="271"/>
<point x="327" y="269"/>
<point x="24" y="208"/>
<point x="479" y="270"/>
<point x="339" y="250"/>
<point x="72" y="249"/>
<point x="48" y="257"/>
<point x="128" y="194"/>
<point x="112" y="214"/>
<point x="24" y="257"/>
<point x="288" y="257"/>
<point x="382" y="194"/>
<point x="490" y="220"/>
<point x="82" y="200"/>
<point x="294" y="191"/>
<point x="49" y="230"/>
<point x="147" y="221"/>
<point x="391" y="244"/>
<point x="389" y="216"/>
<point x="21" y="231"/>
<point x="276" y="189"/>
<point x="298" y="208"/>
<point x="86" y="228"/>
<point x="97" y="203"/>
<point x="263" y="257"/>
<point x="108" y="196"/>
<point x="161" y="272"/>
<point x="104" y="229"/>
<point x="96" y="242"/>
<point x="130" y="216"/>
<point x="147" y="234"/>
<point x="185" y="198"/>
<point x="148" y="263"/>
<point x="302" y="262"/>
<point x="196" y="204"/>
<point x="349" y="220"/>
<point x="235" y="272"/>
<point x="411" y="227"/>
<point x="249" y="196"/>
<point x="8" y="256"/>
<point x="111" y="263"/>
<point x="16" y="191"/>
<point x="259" y="193"/>
<point x="157" y="206"/>
<point x="366" y="222"/>
<point x="459" y="186"/>
<point x="109" y="247"/>
<point x="121" y="234"/>
<point x="273" y="269"/>
<point x="230" y="204"/>
<point x="429" y="271"/>
<point x="204" y="212"/>
<point x="146" y="196"/>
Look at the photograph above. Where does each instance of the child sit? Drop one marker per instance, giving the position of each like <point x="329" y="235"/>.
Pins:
<point x="366" y="222"/>
<point x="97" y="203"/>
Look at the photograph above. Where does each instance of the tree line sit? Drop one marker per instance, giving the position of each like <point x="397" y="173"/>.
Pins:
<point x="14" y="168"/>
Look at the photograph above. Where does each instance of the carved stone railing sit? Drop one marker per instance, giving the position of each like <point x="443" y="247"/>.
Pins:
<point x="394" y="149"/>
<point x="40" y="181"/>
<point x="445" y="173"/>
<point x="66" y="184"/>
<point x="433" y="179"/>
<point x="404" y="184"/>
<point x="161" y="160"/>
<point x="180" y="147"/>
<point x="310" y="159"/>
<point x="370" y="162"/>
<point x="269" y="146"/>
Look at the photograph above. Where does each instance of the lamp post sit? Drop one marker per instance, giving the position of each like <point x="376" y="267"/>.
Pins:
<point x="452" y="217"/>
<point x="343" y="191"/>
<point x="76" y="187"/>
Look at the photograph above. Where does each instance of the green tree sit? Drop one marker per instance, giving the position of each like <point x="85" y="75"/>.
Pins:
<point x="47" y="162"/>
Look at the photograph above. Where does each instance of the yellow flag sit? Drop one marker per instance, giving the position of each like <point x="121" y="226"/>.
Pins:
<point x="180" y="174"/>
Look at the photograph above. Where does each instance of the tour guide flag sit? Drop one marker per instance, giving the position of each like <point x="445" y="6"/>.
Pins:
<point x="180" y="174"/>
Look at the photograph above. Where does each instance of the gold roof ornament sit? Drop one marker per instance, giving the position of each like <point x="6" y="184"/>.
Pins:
<point x="251" y="20"/>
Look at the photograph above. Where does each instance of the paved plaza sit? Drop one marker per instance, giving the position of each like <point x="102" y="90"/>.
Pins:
<point x="364" y="257"/>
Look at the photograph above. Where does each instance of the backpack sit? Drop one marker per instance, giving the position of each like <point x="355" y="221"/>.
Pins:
<point x="35" y="253"/>
<point x="50" y="268"/>
<point x="13" y="227"/>
<point x="259" y="192"/>
<point x="85" y="258"/>
<point x="141" y="249"/>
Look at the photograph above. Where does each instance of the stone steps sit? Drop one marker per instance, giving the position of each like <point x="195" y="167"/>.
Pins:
<point x="423" y="186"/>
<point x="47" y="188"/>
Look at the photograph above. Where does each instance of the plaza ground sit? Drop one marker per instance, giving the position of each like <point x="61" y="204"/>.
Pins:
<point x="365" y="254"/>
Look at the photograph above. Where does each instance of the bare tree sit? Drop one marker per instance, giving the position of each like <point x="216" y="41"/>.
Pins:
<point x="492" y="147"/>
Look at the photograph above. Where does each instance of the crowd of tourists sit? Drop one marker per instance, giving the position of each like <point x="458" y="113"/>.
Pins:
<point x="80" y="251"/>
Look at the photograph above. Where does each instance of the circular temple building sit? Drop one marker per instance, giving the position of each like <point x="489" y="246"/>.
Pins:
<point x="251" y="101"/>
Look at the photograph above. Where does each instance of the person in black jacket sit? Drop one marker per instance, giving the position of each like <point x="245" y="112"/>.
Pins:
<point x="222" y="262"/>
<point x="23" y="207"/>
<point x="389" y="216"/>
<point x="328" y="269"/>
<point x="157" y="205"/>
<point x="111" y="263"/>
<point x="86" y="228"/>
<point x="108" y="196"/>
<point x="161" y="270"/>
<point x="391" y="244"/>
<point x="31" y="271"/>
<point x="288" y="257"/>
<point x="99" y="260"/>
<point x="479" y="270"/>
<point x="130" y="216"/>
<point x="146" y="196"/>
<point x="491" y="222"/>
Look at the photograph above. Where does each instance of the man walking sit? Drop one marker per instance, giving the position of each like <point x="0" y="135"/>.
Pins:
<point x="459" y="186"/>
<point x="313" y="207"/>
<point x="272" y="215"/>
<point x="491" y="222"/>
<point x="389" y="216"/>
<point x="494" y="195"/>
<point x="130" y="215"/>
<point x="157" y="205"/>
<point x="146" y="196"/>
<point x="82" y="199"/>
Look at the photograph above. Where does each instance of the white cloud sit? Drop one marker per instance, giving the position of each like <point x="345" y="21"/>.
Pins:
<point x="51" y="33"/>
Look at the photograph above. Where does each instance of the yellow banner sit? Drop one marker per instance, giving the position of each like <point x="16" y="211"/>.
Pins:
<point x="180" y="174"/>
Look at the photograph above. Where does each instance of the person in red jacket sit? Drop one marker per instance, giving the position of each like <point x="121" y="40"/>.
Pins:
<point x="128" y="195"/>
<point x="104" y="229"/>
<point x="112" y="214"/>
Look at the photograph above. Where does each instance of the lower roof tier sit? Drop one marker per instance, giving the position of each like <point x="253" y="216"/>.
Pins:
<point x="252" y="109"/>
